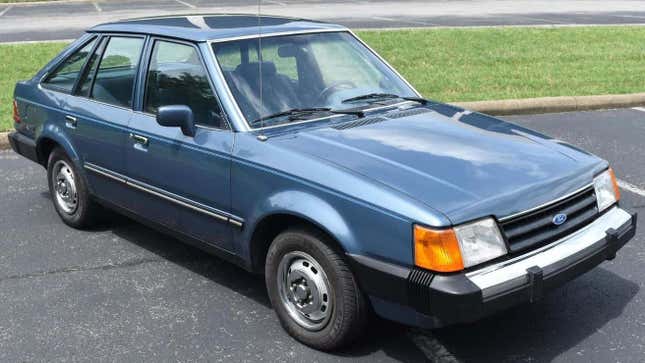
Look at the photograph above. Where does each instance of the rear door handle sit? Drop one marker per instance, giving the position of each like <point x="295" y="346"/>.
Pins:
<point x="139" y="139"/>
<point x="70" y="121"/>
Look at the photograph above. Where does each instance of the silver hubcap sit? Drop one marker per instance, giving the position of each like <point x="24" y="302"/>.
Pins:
<point x="305" y="290"/>
<point x="64" y="187"/>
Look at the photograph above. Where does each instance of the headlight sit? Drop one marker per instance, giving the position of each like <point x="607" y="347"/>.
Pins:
<point x="450" y="250"/>
<point x="607" y="192"/>
<point x="480" y="241"/>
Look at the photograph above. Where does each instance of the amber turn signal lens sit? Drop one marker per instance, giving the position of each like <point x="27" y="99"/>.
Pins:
<point x="437" y="250"/>
<point x="615" y="182"/>
<point x="16" y="115"/>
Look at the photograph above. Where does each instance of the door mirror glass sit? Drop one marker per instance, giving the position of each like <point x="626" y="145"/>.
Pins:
<point x="177" y="116"/>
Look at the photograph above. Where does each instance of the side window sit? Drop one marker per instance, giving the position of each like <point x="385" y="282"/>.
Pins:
<point x="90" y="71"/>
<point x="64" y="77"/>
<point x="176" y="76"/>
<point x="117" y="70"/>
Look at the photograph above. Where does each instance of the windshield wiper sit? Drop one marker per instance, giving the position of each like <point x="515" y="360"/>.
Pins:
<point x="294" y="113"/>
<point x="358" y="113"/>
<point x="371" y="96"/>
<point x="381" y="96"/>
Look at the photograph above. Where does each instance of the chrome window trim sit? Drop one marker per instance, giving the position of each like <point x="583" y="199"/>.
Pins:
<point x="41" y="82"/>
<point x="386" y="63"/>
<point x="100" y="36"/>
<point x="229" y="93"/>
<point x="544" y="205"/>
<point x="41" y="88"/>
<point x="105" y="103"/>
<point x="276" y="34"/>
<point x="166" y="195"/>
<point x="199" y="126"/>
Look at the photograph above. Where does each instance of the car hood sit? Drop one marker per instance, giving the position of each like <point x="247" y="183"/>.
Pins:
<point x="465" y="165"/>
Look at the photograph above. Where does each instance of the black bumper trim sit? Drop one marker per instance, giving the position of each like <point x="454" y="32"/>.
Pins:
<point x="447" y="299"/>
<point x="381" y="279"/>
<point x="23" y="145"/>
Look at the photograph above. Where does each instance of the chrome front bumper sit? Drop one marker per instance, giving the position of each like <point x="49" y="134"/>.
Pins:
<point x="539" y="264"/>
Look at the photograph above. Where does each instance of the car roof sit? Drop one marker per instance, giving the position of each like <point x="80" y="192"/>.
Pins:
<point x="204" y="27"/>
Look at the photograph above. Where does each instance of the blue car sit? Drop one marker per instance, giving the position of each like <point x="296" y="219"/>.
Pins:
<point x="292" y="149"/>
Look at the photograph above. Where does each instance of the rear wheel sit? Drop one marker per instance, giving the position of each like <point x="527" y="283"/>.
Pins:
<point x="312" y="290"/>
<point x="69" y="191"/>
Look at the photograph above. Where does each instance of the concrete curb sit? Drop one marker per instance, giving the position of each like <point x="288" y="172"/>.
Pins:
<point x="523" y="106"/>
<point x="554" y="104"/>
<point x="4" y="141"/>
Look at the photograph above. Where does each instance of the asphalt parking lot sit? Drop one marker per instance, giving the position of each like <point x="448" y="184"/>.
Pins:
<point x="123" y="292"/>
<point x="68" y="19"/>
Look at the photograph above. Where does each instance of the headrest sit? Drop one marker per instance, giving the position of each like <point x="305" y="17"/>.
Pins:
<point x="253" y="69"/>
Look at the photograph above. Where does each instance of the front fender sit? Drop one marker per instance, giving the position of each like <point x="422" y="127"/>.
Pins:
<point x="308" y="207"/>
<point x="357" y="228"/>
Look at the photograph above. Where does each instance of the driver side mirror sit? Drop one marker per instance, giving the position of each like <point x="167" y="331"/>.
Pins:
<point x="177" y="116"/>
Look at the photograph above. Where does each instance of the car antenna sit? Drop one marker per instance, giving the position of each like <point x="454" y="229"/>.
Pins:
<point x="263" y="138"/>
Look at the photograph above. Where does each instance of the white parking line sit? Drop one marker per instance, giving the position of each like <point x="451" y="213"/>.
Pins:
<point x="642" y="109"/>
<point x="275" y="2"/>
<point x="96" y="6"/>
<point x="186" y="4"/>
<point x="631" y="16"/>
<point x="631" y="187"/>
<point x="6" y="10"/>
<point x="403" y="21"/>
<point x="432" y="348"/>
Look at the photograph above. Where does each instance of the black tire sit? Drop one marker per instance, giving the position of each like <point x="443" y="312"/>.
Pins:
<point x="349" y="314"/>
<point x="86" y="211"/>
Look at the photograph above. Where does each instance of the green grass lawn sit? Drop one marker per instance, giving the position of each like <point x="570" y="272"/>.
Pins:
<point x="459" y="64"/>
<point x="486" y="64"/>
<point x="17" y="62"/>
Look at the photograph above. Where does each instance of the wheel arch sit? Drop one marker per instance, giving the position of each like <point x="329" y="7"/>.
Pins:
<point x="271" y="225"/>
<point x="51" y="139"/>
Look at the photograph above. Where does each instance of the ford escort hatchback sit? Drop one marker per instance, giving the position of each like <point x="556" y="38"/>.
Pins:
<point x="293" y="150"/>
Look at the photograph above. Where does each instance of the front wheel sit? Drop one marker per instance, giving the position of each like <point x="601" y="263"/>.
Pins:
<point x="312" y="290"/>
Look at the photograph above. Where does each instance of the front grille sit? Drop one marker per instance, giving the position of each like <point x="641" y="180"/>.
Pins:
<point x="536" y="229"/>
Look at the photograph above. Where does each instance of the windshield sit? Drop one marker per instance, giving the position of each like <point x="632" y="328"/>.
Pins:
<point x="319" y="72"/>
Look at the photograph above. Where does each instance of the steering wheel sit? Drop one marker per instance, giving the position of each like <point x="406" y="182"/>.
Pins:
<point x="332" y="87"/>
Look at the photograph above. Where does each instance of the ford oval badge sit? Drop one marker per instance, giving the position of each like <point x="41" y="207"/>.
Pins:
<point x="559" y="219"/>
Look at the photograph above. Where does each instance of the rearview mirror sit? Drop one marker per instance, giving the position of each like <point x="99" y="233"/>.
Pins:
<point x="177" y="116"/>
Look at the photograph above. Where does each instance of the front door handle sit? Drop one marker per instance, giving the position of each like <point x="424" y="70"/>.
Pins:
<point x="70" y="121"/>
<point x="139" y="139"/>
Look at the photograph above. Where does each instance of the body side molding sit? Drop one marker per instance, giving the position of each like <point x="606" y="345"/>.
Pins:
<point x="163" y="194"/>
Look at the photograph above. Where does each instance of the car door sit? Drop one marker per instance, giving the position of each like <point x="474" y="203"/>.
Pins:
<point x="183" y="181"/>
<point x="99" y="108"/>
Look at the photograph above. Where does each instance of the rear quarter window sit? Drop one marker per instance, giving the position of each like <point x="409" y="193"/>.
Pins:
<point x="64" y="76"/>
